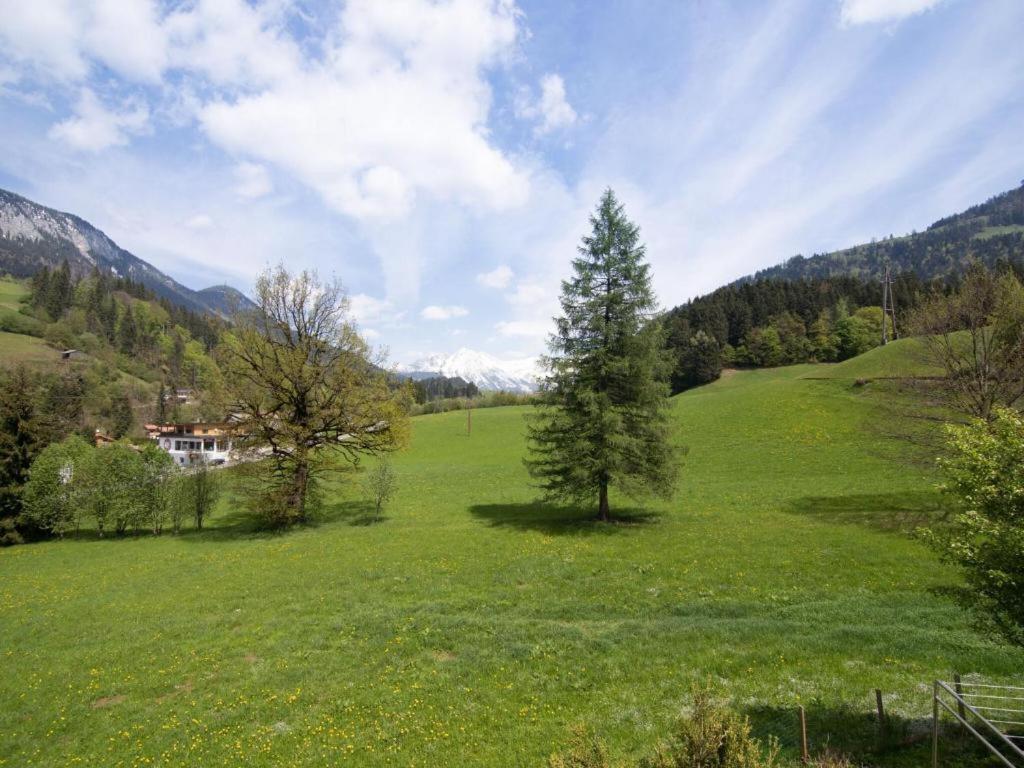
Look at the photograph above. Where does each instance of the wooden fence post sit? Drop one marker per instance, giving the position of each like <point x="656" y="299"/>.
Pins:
<point x="805" y="755"/>
<point x="959" y="694"/>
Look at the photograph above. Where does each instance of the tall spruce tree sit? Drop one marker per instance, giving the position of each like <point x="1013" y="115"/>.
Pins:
<point x="603" y="419"/>
<point x="59" y="291"/>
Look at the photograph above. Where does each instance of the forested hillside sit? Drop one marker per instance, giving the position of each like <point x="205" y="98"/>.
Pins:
<point x="98" y="353"/>
<point x="991" y="232"/>
<point x="827" y="308"/>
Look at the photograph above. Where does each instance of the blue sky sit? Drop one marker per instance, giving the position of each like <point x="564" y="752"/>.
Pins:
<point x="441" y="158"/>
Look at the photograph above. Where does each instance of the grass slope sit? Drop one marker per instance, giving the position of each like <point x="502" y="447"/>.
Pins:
<point x="16" y="348"/>
<point x="473" y="626"/>
<point x="11" y="293"/>
<point x="903" y="358"/>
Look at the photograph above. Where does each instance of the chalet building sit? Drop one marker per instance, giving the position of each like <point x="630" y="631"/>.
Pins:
<point x="181" y="396"/>
<point x="194" y="442"/>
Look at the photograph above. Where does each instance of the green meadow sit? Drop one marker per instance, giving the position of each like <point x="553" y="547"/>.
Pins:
<point x="473" y="626"/>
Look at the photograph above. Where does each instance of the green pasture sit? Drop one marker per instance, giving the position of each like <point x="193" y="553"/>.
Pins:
<point x="473" y="625"/>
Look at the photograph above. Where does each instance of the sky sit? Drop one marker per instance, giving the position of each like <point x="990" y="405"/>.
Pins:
<point x="441" y="157"/>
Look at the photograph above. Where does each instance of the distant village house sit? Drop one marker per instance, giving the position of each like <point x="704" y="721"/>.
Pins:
<point x="193" y="442"/>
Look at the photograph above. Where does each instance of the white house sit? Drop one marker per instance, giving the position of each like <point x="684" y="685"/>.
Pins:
<point x="194" y="442"/>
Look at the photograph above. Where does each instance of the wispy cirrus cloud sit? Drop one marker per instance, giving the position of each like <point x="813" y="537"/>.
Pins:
<point x="873" y="11"/>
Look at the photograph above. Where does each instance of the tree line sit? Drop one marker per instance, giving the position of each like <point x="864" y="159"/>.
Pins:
<point x="116" y="488"/>
<point x="991" y="234"/>
<point x="57" y="291"/>
<point x="770" y="322"/>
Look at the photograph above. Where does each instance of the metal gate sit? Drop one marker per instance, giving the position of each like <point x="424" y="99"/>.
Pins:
<point x="993" y="714"/>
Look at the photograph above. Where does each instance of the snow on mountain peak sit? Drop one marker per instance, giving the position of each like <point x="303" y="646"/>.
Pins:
<point x="480" y="368"/>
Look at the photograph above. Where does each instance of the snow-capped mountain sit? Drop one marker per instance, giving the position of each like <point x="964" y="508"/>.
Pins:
<point x="486" y="371"/>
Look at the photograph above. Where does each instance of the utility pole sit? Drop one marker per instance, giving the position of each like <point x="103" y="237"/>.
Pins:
<point x="888" y="307"/>
<point x="469" y="418"/>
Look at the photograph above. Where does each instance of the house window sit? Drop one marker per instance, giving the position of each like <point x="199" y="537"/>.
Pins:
<point x="177" y="445"/>
<point x="207" y="445"/>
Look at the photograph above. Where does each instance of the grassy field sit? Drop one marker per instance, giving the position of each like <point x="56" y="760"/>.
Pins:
<point x="897" y="359"/>
<point x="11" y="293"/>
<point x="17" y="348"/>
<point x="473" y="626"/>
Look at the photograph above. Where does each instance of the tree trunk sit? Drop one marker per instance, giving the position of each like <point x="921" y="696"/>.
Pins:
<point x="602" y="504"/>
<point x="301" y="487"/>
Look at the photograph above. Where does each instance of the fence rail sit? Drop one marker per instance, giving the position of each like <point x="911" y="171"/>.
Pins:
<point x="970" y="704"/>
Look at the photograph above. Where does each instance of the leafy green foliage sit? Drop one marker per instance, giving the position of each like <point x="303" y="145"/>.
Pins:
<point x="307" y="386"/>
<point x="381" y="484"/>
<point x="603" y="416"/>
<point x="986" y="473"/>
<point x="198" y="492"/>
<point x="50" y="498"/>
<point x="765" y="323"/>
<point x="712" y="736"/>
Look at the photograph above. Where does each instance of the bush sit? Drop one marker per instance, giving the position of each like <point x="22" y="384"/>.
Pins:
<point x="712" y="736"/>
<point x="50" y="498"/>
<point x="15" y="322"/>
<point x="381" y="484"/>
<point x="986" y="473"/>
<point x="585" y="751"/>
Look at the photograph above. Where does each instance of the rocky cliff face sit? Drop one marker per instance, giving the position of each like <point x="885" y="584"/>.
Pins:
<point x="33" y="236"/>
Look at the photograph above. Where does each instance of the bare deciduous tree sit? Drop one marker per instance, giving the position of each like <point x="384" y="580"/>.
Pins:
<point x="976" y="338"/>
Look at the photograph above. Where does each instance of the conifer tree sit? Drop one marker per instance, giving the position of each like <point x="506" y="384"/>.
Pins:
<point x="161" y="405"/>
<point x="127" y="331"/>
<point x="59" y="291"/>
<point x="603" y="421"/>
<point x="41" y="287"/>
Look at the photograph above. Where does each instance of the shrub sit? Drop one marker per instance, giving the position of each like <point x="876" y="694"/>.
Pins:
<point x="986" y="472"/>
<point x="381" y="484"/>
<point x="585" y="751"/>
<point x="49" y="499"/>
<point x="712" y="736"/>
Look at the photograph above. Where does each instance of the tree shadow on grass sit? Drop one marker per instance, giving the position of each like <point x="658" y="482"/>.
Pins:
<point x="243" y="523"/>
<point x="557" y="520"/>
<point x="891" y="512"/>
<point x="357" y="513"/>
<point x="903" y="741"/>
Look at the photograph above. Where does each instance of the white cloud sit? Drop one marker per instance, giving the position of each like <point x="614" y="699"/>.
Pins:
<point x="253" y="180"/>
<point x="367" y="309"/>
<point x="95" y="128"/>
<point x="871" y="11"/>
<point x="126" y="36"/>
<point x="57" y="38"/>
<point x="199" y="221"/>
<point x="550" y="110"/>
<point x="534" y="330"/>
<point x="397" y="109"/>
<point x="233" y="43"/>
<point x="436" y="312"/>
<point x="496" y="278"/>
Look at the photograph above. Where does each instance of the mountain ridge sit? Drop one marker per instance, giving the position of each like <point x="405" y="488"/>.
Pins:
<point x="486" y="371"/>
<point x="33" y="236"/>
<point x="988" y="232"/>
